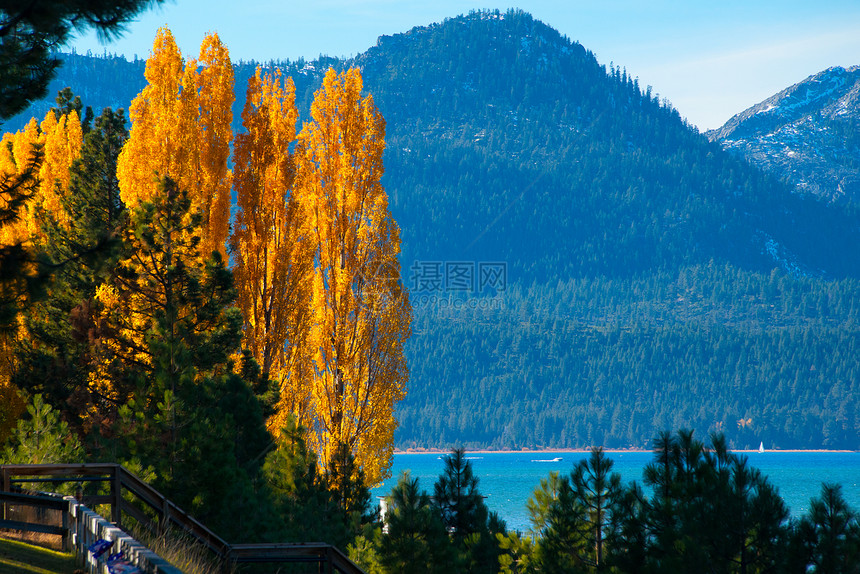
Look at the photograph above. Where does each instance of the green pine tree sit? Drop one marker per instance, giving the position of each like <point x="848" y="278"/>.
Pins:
<point x="416" y="540"/>
<point x="168" y="334"/>
<point x="30" y="36"/>
<point x="565" y="538"/>
<point x="827" y="540"/>
<point x="465" y="515"/>
<point x="42" y="437"/>
<point x="596" y="488"/>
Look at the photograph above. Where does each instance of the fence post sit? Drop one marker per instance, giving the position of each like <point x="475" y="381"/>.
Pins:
<point x="116" y="493"/>
<point x="329" y="559"/>
<point x="164" y="525"/>
<point x="67" y="529"/>
<point x="7" y="487"/>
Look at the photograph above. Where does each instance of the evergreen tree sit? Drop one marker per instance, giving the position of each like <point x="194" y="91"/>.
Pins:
<point x="21" y="281"/>
<point x="465" y="515"/>
<point x="457" y="498"/>
<point x="30" y="36"/>
<point x="348" y="486"/>
<point x="292" y="476"/>
<point x="291" y="472"/>
<point x="708" y="506"/>
<point x="596" y="490"/>
<point x="482" y="548"/>
<point x="520" y="553"/>
<point x="565" y="539"/>
<point x="740" y="517"/>
<point x="517" y="554"/>
<point x="42" y="438"/>
<point x="541" y="500"/>
<point x="827" y="540"/>
<point x="416" y="539"/>
<point x="666" y="504"/>
<point x="628" y="535"/>
<point x="364" y="550"/>
<point x="168" y="332"/>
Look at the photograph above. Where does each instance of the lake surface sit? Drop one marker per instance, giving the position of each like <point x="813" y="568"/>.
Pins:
<point x="508" y="479"/>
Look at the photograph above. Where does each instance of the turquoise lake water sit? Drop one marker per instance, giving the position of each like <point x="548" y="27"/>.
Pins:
<point x="508" y="479"/>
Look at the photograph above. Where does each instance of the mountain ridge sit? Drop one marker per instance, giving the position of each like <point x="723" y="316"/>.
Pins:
<point x="804" y="134"/>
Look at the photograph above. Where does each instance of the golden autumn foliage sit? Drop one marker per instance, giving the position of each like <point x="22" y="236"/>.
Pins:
<point x="48" y="151"/>
<point x="16" y="156"/>
<point x="41" y="155"/>
<point x="215" y="101"/>
<point x="316" y="267"/>
<point x="360" y="312"/>
<point x="314" y="246"/>
<point x="153" y="147"/>
<point x="63" y="139"/>
<point x="181" y="130"/>
<point x="60" y="141"/>
<point x="272" y="256"/>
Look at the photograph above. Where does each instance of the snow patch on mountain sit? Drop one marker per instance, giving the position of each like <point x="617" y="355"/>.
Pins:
<point x="806" y="134"/>
<point x="782" y="257"/>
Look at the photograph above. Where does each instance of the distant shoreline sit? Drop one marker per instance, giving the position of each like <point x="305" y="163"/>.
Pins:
<point x="587" y="450"/>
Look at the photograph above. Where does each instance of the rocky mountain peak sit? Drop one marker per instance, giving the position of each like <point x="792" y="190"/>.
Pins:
<point x="806" y="134"/>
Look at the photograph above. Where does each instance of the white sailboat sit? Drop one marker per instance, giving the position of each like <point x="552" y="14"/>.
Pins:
<point x="761" y="447"/>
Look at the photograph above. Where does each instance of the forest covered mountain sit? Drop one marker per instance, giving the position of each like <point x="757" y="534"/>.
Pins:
<point x="638" y="277"/>
<point x="806" y="134"/>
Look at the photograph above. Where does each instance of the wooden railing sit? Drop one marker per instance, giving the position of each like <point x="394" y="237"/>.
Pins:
<point x="12" y="501"/>
<point x="88" y="528"/>
<point x="167" y="514"/>
<point x="79" y="528"/>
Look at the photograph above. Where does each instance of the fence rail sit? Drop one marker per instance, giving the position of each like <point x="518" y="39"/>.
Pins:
<point x="166" y="514"/>
<point x="34" y="502"/>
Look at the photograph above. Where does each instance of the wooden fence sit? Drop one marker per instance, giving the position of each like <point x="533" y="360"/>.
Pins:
<point x="154" y="511"/>
<point x="26" y="512"/>
<point x="79" y="528"/>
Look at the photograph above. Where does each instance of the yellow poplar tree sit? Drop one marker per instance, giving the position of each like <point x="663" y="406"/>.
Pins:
<point x="360" y="311"/>
<point x="63" y="139"/>
<point x="181" y="129"/>
<point x="60" y="141"/>
<point x="215" y="134"/>
<point x="271" y="254"/>
<point x="153" y="147"/>
<point x="16" y="156"/>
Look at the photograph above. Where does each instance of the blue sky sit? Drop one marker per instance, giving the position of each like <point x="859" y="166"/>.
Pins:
<point x="710" y="59"/>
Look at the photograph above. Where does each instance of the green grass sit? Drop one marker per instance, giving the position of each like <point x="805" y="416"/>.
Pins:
<point x="183" y="552"/>
<point x="22" y="558"/>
